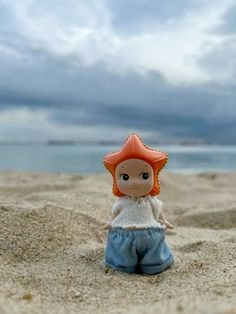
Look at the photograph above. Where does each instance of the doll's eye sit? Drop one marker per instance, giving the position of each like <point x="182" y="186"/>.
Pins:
<point x="124" y="176"/>
<point x="143" y="176"/>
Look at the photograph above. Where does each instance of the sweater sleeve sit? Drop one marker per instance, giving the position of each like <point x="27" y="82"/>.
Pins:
<point x="157" y="205"/>
<point x="117" y="206"/>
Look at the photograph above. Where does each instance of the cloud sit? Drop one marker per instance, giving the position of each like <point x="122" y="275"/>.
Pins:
<point x="113" y="122"/>
<point x="95" y="68"/>
<point x="171" y="44"/>
<point x="36" y="124"/>
<point x="44" y="124"/>
<point x="99" y="100"/>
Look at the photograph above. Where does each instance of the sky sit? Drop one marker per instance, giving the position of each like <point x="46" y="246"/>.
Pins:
<point x="97" y="70"/>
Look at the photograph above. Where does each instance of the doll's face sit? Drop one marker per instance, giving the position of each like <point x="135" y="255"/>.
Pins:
<point x="134" y="177"/>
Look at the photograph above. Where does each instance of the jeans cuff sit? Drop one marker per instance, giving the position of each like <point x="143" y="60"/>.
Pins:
<point x="124" y="269"/>
<point x="156" y="269"/>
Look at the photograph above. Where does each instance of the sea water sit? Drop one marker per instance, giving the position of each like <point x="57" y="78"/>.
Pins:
<point x="83" y="158"/>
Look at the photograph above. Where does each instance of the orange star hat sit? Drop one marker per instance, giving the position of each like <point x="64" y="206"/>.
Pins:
<point x="134" y="147"/>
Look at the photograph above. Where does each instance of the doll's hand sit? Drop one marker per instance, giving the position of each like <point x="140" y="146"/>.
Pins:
<point x="107" y="226"/>
<point x="166" y="224"/>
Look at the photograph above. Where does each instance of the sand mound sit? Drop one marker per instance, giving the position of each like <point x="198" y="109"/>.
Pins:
<point x="39" y="233"/>
<point x="221" y="219"/>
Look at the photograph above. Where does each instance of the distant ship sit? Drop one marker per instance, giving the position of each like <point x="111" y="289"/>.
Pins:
<point x="61" y="142"/>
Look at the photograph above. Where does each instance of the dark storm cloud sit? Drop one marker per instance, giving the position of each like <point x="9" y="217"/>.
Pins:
<point x="93" y="96"/>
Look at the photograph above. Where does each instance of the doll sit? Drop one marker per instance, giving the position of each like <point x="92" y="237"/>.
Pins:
<point x="136" y="232"/>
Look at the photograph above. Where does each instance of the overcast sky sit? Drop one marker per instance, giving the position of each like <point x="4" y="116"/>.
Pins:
<point x="101" y="69"/>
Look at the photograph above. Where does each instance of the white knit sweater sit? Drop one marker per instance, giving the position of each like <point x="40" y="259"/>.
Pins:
<point x="137" y="212"/>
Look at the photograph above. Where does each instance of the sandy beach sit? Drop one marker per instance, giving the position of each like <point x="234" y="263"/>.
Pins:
<point x="51" y="246"/>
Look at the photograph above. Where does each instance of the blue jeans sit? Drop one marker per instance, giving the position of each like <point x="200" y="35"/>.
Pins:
<point x="141" y="250"/>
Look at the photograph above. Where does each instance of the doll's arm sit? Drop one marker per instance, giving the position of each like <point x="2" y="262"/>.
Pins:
<point x="164" y="221"/>
<point x="116" y="209"/>
<point x="157" y="207"/>
<point x="108" y="225"/>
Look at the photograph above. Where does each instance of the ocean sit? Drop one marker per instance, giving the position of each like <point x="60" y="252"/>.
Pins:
<point x="83" y="158"/>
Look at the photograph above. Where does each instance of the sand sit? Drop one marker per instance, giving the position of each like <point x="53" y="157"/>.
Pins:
<point x="51" y="246"/>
